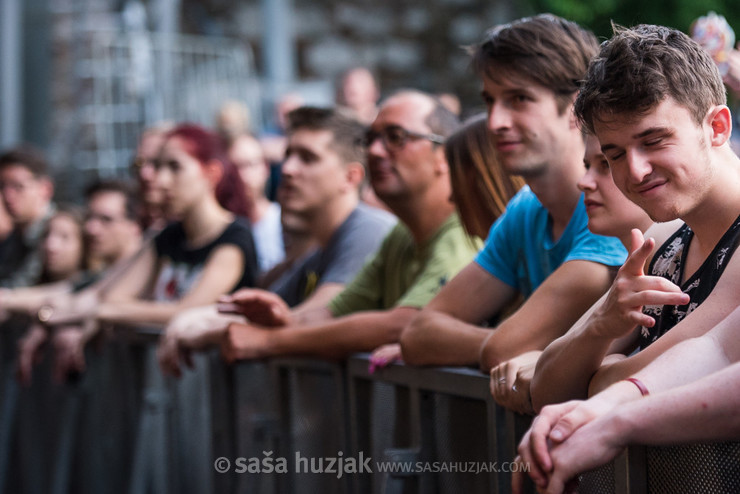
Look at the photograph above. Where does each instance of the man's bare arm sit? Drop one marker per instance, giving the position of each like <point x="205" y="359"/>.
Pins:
<point x="566" y="366"/>
<point x="330" y="339"/>
<point x="445" y="332"/>
<point x="551" y="310"/>
<point x="720" y="304"/>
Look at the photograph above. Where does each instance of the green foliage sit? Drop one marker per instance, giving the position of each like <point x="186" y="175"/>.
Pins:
<point x="598" y="14"/>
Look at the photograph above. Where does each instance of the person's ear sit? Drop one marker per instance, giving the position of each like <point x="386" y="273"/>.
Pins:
<point x="720" y="122"/>
<point x="441" y="167"/>
<point x="214" y="171"/>
<point x="355" y="174"/>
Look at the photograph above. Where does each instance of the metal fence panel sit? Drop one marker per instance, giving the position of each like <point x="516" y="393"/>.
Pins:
<point x="122" y="427"/>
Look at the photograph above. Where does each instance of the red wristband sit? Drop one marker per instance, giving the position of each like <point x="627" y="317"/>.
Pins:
<point x="643" y="389"/>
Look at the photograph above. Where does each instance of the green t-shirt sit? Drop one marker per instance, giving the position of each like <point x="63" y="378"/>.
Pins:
<point x="400" y="274"/>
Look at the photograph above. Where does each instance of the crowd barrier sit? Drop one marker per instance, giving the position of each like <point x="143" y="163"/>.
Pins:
<point x="288" y="426"/>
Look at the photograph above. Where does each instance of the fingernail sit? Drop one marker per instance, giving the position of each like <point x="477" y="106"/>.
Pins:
<point x="556" y="434"/>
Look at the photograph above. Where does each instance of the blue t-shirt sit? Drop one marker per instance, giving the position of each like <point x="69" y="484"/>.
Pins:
<point x="520" y="251"/>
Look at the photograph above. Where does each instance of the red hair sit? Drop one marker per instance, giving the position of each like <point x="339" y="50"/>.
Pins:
<point x="205" y="146"/>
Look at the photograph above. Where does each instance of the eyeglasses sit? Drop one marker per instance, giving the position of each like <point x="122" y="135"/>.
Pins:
<point x="395" y="137"/>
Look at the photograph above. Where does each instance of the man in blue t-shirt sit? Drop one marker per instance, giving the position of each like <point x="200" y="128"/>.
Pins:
<point x="541" y="247"/>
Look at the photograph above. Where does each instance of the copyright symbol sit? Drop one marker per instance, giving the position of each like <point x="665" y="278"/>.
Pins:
<point x="222" y="465"/>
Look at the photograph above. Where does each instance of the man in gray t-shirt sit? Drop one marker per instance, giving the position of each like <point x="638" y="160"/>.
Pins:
<point x="350" y="245"/>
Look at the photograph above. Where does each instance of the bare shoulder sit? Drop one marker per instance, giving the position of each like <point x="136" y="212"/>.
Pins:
<point x="662" y="231"/>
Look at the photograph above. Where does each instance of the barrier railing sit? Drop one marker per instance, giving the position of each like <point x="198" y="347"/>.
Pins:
<point x="288" y="426"/>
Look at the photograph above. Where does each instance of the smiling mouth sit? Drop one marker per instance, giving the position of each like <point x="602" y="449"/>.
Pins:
<point x="504" y="145"/>
<point x="647" y="189"/>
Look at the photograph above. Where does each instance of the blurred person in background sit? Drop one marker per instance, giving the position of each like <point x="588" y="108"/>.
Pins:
<point x="264" y="216"/>
<point x="480" y="190"/>
<point x="274" y="141"/>
<point x="27" y="192"/>
<point x="6" y="227"/>
<point x="319" y="195"/>
<point x="232" y="121"/>
<point x="112" y="235"/>
<point x="64" y="250"/>
<point x="143" y="168"/>
<point x="452" y="102"/>
<point x="207" y="253"/>
<point x="409" y="172"/>
<point x="358" y="91"/>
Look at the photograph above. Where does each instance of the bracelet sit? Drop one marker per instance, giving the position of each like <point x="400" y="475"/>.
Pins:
<point x="640" y="385"/>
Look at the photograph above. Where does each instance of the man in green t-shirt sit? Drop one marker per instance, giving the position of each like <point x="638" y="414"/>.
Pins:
<point x="408" y="172"/>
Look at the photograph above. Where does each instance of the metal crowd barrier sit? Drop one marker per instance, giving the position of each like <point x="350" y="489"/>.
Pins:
<point x="283" y="426"/>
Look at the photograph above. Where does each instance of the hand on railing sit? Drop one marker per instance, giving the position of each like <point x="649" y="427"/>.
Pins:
<point x="191" y="330"/>
<point x="591" y="446"/>
<point x="261" y="307"/>
<point x="553" y="425"/>
<point x="510" y="382"/>
<point x="384" y="356"/>
<point x="69" y="353"/>
<point x="29" y="352"/>
<point x="556" y="423"/>
<point x="245" y="342"/>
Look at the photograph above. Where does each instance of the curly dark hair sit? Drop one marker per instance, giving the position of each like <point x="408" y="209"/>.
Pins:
<point x="639" y="67"/>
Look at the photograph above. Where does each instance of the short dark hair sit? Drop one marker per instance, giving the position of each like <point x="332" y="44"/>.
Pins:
<point x="131" y="200"/>
<point x="546" y="49"/>
<point x="28" y="157"/>
<point x="639" y="67"/>
<point x="347" y="132"/>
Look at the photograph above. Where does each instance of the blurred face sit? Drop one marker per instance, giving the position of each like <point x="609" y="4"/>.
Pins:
<point x="62" y="247"/>
<point x="25" y="196"/>
<point x="144" y="167"/>
<point x="313" y="174"/>
<point x="181" y="178"/>
<point x="609" y="212"/>
<point x="527" y="129"/>
<point x="400" y="160"/>
<point x="660" y="160"/>
<point x="359" y="89"/>
<point x="246" y="154"/>
<point x="108" y="229"/>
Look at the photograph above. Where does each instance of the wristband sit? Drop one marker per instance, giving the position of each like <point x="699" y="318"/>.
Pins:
<point x="643" y="389"/>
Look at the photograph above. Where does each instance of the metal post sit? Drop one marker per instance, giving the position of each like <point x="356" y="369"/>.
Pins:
<point x="278" y="48"/>
<point x="37" y="70"/>
<point x="167" y="23"/>
<point x="10" y="72"/>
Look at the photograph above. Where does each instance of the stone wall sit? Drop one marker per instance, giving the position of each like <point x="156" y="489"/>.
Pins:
<point x="406" y="43"/>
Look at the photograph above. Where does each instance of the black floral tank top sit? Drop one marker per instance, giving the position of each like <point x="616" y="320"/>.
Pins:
<point x="668" y="262"/>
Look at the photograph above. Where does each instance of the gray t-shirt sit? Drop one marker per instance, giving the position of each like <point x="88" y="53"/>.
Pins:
<point x="357" y="238"/>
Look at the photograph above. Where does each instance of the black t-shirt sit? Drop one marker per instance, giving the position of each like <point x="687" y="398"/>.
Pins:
<point x="183" y="265"/>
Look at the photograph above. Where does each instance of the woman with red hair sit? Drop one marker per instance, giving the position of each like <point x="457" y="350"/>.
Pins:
<point x="208" y="252"/>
